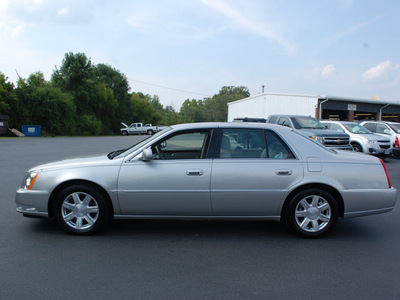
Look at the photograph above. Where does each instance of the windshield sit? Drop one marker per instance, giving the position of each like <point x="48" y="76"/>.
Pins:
<point x="137" y="146"/>
<point x="306" y="123"/>
<point x="357" y="129"/>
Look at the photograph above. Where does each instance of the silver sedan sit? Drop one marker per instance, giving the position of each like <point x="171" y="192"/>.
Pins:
<point x="244" y="171"/>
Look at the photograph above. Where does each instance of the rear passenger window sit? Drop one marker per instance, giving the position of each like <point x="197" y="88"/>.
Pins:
<point x="276" y="147"/>
<point x="252" y="143"/>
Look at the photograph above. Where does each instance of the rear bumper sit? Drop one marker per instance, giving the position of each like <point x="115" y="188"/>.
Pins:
<point x="359" y="203"/>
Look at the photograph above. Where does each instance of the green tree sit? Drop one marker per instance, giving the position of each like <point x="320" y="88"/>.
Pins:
<point x="75" y="77"/>
<point x="118" y="83"/>
<point x="142" y="110"/>
<point x="40" y="103"/>
<point x="216" y="107"/>
<point x="88" y="125"/>
<point x="192" y="111"/>
<point x="170" y="116"/>
<point x="6" y="94"/>
<point x="93" y="89"/>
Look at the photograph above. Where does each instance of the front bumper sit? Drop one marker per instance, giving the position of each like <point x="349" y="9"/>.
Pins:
<point x="32" y="203"/>
<point x="345" y="147"/>
<point x="382" y="153"/>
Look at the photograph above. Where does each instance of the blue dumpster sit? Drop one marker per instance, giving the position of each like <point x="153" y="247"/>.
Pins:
<point x="32" y="130"/>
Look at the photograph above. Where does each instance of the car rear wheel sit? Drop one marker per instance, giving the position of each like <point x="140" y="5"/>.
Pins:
<point x="81" y="209"/>
<point x="150" y="132"/>
<point x="311" y="213"/>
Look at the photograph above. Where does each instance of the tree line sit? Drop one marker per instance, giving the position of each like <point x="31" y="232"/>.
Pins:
<point x="86" y="99"/>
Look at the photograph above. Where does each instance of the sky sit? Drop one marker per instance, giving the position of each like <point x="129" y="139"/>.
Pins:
<point x="190" y="49"/>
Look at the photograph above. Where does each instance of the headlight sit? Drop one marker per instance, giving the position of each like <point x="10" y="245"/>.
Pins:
<point x="30" y="180"/>
<point x="369" y="141"/>
<point x="318" y="139"/>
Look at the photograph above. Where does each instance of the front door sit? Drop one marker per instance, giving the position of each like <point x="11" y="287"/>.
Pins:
<point x="176" y="182"/>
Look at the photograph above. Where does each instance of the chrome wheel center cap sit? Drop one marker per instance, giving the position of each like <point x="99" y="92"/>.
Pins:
<point x="80" y="210"/>
<point x="312" y="213"/>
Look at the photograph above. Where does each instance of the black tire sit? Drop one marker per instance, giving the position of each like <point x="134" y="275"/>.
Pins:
<point x="124" y="132"/>
<point x="357" y="147"/>
<point x="311" y="213"/>
<point x="150" y="132"/>
<point x="81" y="209"/>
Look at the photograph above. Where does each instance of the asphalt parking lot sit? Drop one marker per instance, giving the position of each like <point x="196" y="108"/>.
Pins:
<point x="138" y="259"/>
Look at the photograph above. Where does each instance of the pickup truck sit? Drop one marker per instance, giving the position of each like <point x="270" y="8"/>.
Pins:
<point x="313" y="128"/>
<point x="139" y="128"/>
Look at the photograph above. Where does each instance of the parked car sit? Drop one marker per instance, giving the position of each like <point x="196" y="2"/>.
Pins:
<point x="361" y="139"/>
<point x="387" y="129"/>
<point x="313" y="128"/>
<point x="139" y="128"/>
<point x="244" y="171"/>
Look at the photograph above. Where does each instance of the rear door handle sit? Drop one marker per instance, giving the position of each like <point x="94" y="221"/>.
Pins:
<point x="194" y="172"/>
<point x="284" y="172"/>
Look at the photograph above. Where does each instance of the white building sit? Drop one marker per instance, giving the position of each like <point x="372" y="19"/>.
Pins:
<point x="321" y="107"/>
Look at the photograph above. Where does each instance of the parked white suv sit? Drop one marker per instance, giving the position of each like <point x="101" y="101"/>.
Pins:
<point x="390" y="130"/>
<point x="361" y="139"/>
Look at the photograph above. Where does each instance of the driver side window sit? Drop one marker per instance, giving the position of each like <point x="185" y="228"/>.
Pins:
<point x="187" y="145"/>
<point x="284" y="122"/>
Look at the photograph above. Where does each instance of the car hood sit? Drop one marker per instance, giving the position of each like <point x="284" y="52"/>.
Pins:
<point x="324" y="132"/>
<point x="373" y="137"/>
<point x="82" y="161"/>
<point x="126" y="126"/>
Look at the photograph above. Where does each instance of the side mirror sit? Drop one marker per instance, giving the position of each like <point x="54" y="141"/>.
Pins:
<point x="147" y="154"/>
<point x="386" y="131"/>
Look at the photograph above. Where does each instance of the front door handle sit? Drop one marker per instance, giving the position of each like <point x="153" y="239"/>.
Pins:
<point x="284" y="172"/>
<point x="194" y="172"/>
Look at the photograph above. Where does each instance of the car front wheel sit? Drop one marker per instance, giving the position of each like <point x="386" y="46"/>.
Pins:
<point x="311" y="213"/>
<point x="356" y="147"/>
<point x="81" y="209"/>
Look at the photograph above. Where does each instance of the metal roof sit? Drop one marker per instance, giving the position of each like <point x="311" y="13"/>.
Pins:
<point x="358" y="100"/>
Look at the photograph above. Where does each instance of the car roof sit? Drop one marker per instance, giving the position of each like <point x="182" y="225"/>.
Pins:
<point x="341" y="122"/>
<point x="290" y="116"/>
<point x="386" y="122"/>
<point x="226" y="125"/>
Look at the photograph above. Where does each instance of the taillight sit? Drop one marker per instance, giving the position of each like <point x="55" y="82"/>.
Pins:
<point x="396" y="143"/>
<point x="387" y="174"/>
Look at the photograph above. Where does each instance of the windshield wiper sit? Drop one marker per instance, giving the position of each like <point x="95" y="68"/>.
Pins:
<point x="113" y="154"/>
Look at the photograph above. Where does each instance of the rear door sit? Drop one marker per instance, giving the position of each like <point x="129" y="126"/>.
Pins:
<point x="252" y="172"/>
